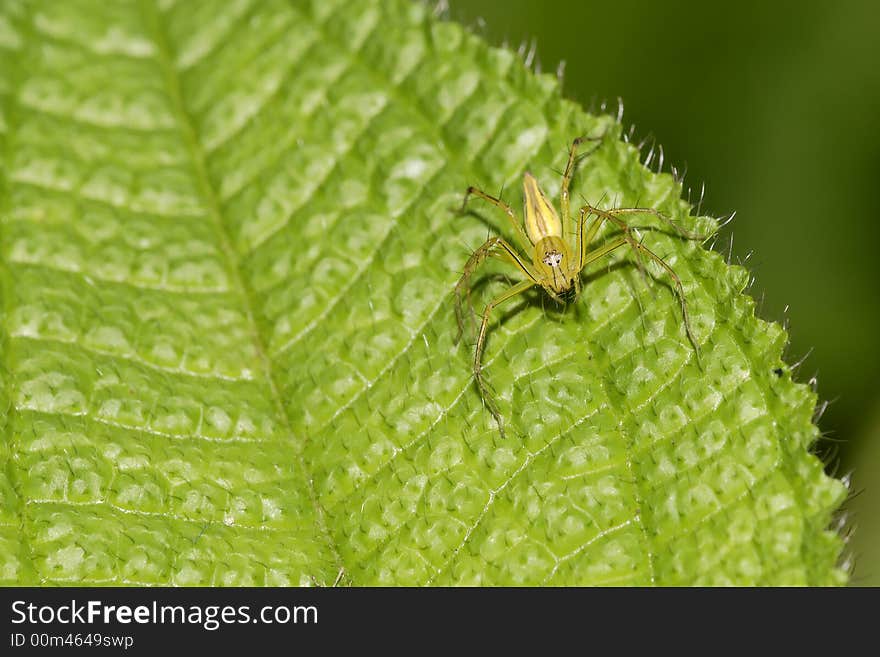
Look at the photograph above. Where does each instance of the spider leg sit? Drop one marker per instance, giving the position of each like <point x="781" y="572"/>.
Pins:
<point x="605" y="249"/>
<point x="612" y="215"/>
<point x="569" y="172"/>
<point x="485" y="392"/>
<point x="669" y="222"/>
<point x="602" y="217"/>
<point x="524" y="241"/>
<point x="495" y="247"/>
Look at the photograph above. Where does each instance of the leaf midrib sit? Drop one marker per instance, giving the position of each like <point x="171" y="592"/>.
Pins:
<point x="197" y="159"/>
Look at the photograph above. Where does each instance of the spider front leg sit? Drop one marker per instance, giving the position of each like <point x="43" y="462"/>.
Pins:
<point x="610" y="215"/>
<point x="497" y="202"/>
<point x="603" y="216"/>
<point x="493" y="247"/>
<point x="613" y="215"/>
<point x="496" y="247"/>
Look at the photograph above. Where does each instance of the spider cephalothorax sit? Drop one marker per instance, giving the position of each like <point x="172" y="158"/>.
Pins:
<point x="554" y="263"/>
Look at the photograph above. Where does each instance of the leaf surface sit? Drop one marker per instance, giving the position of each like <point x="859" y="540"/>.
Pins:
<point x="228" y="256"/>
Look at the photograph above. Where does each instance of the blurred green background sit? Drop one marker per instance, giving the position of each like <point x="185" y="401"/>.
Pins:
<point x="776" y="107"/>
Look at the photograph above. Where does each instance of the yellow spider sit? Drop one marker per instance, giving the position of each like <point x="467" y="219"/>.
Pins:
<point x="552" y="265"/>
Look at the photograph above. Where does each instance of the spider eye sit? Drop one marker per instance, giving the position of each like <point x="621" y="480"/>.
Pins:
<point x="552" y="258"/>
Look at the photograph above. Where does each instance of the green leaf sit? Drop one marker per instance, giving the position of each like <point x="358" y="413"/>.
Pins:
<point x="228" y="357"/>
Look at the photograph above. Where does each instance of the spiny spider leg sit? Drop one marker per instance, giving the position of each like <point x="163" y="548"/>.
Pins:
<point x="612" y="215"/>
<point x="601" y="217"/>
<point x="485" y="391"/>
<point x="678" y="229"/>
<point x="569" y="172"/>
<point x="517" y="226"/>
<point x="592" y="256"/>
<point x="496" y="247"/>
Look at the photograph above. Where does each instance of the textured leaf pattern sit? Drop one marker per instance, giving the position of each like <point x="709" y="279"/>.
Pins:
<point x="228" y="258"/>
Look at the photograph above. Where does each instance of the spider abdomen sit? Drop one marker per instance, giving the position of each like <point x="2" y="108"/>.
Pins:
<point x="540" y="217"/>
